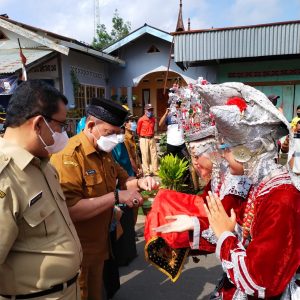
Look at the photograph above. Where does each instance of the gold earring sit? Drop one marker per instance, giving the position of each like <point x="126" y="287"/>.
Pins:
<point x="241" y="154"/>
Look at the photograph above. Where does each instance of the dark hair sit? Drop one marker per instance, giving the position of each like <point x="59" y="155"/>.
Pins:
<point x="298" y="107"/>
<point x="298" y="122"/>
<point x="32" y="98"/>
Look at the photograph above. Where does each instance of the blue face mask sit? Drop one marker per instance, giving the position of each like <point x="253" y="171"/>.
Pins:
<point x="149" y="114"/>
<point x="133" y="126"/>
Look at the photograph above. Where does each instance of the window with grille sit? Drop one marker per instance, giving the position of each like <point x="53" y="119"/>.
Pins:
<point x="84" y="95"/>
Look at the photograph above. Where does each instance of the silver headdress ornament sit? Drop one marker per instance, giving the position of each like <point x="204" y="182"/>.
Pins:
<point x="195" y="118"/>
<point x="200" y="135"/>
<point x="198" y="126"/>
<point x="203" y="141"/>
<point x="253" y="133"/>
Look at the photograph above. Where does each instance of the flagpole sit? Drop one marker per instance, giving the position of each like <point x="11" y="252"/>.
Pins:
<point x="168" y="68"/>
<point x="23" y="61"/>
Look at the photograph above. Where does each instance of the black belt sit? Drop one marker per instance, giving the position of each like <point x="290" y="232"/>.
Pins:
<point x="147" y="137"/>
<point x="54" y="289"/>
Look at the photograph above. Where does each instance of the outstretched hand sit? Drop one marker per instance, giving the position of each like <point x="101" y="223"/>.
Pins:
<point x="180" y="223"/>
<point x="217" y="216"/>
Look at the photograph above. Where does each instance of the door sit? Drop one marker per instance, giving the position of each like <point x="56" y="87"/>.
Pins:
<point x="146" y="97"/>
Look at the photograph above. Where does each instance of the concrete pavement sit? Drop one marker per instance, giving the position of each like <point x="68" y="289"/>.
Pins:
<point x="142" y="281"/>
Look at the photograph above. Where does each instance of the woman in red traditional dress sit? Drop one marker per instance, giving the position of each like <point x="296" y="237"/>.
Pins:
<point x="259" y="246"/>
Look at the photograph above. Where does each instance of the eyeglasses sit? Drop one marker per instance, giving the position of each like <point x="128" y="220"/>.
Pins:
<point x="63" y="125"/>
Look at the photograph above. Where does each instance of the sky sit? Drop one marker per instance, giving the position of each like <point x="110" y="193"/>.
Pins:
<point x="75" y="19"/>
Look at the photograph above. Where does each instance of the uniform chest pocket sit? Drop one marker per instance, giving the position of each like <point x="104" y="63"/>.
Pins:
<point x="40" y="224"/>
<point x="93" y="183"/>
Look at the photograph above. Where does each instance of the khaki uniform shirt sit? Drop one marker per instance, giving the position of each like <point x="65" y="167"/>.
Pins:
<point x="86" y="173"/>
<point x="130" y="145"/>
<point x="39" y="246"/>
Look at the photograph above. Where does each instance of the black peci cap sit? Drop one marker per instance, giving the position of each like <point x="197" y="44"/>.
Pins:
<point x="107" y="111"/>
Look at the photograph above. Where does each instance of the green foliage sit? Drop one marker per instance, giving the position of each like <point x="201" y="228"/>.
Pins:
<point x="163" y="143"/>
<point x="147" y="204"/>
<point x="103" y="38"/>
<point x="119" y="30"/>
<point x="149" y="194"/>
<point x="172" y="172"/>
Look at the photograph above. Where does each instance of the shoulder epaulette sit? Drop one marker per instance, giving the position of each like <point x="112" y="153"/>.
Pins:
<point x="4" y="161"/>
<point x="73" y="144"/>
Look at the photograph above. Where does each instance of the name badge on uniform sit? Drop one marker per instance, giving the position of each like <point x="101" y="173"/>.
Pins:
<point x="35" y="199"/>
<point x="90" y="172"/>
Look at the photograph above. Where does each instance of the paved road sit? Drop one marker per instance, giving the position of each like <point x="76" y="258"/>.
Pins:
<point x="142" y="281"/>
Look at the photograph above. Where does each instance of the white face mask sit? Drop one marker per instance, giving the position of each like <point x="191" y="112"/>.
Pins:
<point x="60" y="140"/>
<point x="120" y="138"/>
<point x="109" y="142"/>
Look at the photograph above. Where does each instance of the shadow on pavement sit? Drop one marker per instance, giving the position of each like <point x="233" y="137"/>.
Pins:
<point x="140" y="280"/>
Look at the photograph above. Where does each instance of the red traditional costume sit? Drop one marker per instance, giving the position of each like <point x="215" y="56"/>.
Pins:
<point x="262" y="256"/>
<point x="261" y="262"/>
<point x="260" y="259"/>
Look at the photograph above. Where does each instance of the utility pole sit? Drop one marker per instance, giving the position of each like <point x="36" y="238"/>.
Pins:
<point x="96" y="16"/>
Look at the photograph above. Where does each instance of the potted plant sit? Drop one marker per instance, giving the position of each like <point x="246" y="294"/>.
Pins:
<point x="172" y="172"/>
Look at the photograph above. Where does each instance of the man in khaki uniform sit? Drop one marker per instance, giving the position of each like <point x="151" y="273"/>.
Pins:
<point x="89" y="176"/>
<point x="40" y="253"/>
<point x="129" y="141"/>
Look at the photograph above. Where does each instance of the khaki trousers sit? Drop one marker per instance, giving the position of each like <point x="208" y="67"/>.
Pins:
<point x="70" y="293"/>
<point x="149" y="155"/>
<point x="91" y="277"/>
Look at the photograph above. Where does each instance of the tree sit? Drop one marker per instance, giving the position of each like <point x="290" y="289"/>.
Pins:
<point x="119" y="30"/>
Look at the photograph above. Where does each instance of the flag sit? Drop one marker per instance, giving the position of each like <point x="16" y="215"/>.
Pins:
<point x="23" y="61"/>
